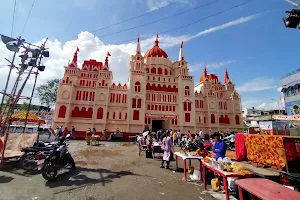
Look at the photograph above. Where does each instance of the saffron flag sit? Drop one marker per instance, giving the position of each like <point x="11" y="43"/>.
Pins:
<point x="181" y="43"/>
<point x="77" y="49"/>
<point x="108" y="54"/>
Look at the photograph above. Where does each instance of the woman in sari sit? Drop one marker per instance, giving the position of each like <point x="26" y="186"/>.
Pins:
<point x="168" y="148"/>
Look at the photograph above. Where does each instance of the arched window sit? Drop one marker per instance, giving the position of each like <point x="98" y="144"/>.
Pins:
<point x="237" y="119"/>
<point x="212" y="118"/>
<point x="100" y="113"/>
<point x="159" y="70"/>
<point x="166" y="72"/>
<point x="147" y="70"/>
<point x="62" y="112"/>
<point x="153" y="70"/>
<point x="137" y="86"/>
<point x="90" y="113"/>
<point x="187" y="91"/>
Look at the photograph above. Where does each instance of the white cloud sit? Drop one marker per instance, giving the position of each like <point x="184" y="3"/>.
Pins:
<point x="264" y="104"/>
<point x="211" y="65"/>
<point x="279" y="89"/>
<point x="258" y="84"/>
<point x="156" y="4"/>
<point x="92" y="47"/>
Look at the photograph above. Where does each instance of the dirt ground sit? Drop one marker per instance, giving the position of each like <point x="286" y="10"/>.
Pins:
<point x="110" y="171"/>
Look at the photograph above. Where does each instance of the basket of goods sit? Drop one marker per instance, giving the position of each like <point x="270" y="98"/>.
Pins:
<point x="237" y="167"/>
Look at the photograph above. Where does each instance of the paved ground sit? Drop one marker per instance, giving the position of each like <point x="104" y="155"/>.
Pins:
<point x="111" y="171"/>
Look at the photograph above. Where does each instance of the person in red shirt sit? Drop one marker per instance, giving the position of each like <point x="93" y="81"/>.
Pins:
<point x="189" y="134"/>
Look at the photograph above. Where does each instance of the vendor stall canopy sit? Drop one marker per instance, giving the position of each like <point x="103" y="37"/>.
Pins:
<point x="32" y="118"/>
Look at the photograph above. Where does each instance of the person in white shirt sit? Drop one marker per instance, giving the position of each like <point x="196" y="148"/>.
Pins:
<point x="201" y="134"/>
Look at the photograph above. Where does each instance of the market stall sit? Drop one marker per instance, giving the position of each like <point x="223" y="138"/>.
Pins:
<point x="265" y="189"/>
<point x="188" y="156"/>
<point x="226" y="169"/>
<point x="266" y="150"/>
<point x="32" y="118"/>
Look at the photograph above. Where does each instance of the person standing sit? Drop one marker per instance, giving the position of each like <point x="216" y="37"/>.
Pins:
<point x="168" y="148"/>
<point x="175" y="137"/>
<point x="60" y="130"/>
<point x="88" y="136"/>
<point x="73" y="133"/>
<point x="201" y="135"/>
<point x="178" y="137"/>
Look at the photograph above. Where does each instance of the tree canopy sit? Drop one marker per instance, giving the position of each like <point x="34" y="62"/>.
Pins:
<point x="47" y="92"/>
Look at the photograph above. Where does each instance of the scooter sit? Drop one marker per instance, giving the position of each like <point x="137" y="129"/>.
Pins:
<point x="28" y="160"/>
<point x="52" y="161"/>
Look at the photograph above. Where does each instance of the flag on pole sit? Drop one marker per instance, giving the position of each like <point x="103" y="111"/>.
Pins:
<point x="108" y="54"/>
<point x="181" y="43"/>
<point x="77" y="49"/>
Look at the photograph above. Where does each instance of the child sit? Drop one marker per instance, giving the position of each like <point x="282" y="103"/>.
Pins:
<point x="201" y="151"/>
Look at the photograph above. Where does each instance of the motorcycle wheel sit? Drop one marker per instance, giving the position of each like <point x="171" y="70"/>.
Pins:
<point x="28" y="162"/>
<point x="49" y="171"/>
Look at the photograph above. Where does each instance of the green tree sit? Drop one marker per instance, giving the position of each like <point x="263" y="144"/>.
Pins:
<point x="47" y="92"/>
<point x="23" y="106"/>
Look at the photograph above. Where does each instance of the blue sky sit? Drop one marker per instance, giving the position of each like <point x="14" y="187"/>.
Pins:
<point x="257" y="52"/>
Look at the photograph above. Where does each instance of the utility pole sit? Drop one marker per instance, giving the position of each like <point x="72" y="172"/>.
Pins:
<point x="292" y="20"/>
<point x="13" y="98"/>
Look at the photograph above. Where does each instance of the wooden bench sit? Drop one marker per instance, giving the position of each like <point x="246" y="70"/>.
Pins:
<point x="265" y="189"/>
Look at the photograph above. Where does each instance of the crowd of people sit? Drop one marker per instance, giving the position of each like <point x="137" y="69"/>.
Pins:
<point x="218" y="142"/>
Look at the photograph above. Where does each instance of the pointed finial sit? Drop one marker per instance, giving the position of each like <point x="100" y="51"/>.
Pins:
<point x="138" y="38"/>
<point x="157" y="36"/>
<point x="181" y="44"/>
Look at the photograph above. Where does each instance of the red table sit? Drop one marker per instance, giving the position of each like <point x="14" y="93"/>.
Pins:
<point x="266" y="189"/>
<point x="185" y="157"/>
<point x="224" y="174"/>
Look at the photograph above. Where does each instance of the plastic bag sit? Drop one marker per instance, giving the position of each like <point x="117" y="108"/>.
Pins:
<point x="196" y="175"/>
<point x="231" y="183"/>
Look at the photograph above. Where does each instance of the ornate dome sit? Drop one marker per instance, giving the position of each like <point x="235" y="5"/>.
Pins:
<point x="156" y="51"/>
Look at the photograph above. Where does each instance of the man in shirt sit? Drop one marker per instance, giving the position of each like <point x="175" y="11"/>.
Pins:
<point x="220" y="146"/>
<point x="201" y="135"/>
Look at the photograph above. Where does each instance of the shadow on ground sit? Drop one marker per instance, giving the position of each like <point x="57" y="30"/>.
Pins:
<point x="79" y="178"/>
<point x="5" y="179"/>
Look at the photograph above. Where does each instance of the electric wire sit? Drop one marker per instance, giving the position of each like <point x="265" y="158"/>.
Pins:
<point x="28" y="17"/>
<point x="161" y="19"/>
<point x="13" y="19"/>
<point x="180" y="27"/>
<point x="138" y="16"/>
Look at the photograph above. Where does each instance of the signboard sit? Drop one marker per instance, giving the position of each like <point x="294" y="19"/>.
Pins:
<point x="265" y="125"/>
<point x="293" y="107"/>
<point x="161" y="116"/>
<point x="287" y="117"/>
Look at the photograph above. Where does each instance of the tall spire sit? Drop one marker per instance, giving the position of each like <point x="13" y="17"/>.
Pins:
<point x="74" y="61"/>
<point x="227" y="79"/>
<point x="181" y="54"/>
<point x="138" y="46"/>
<point x="156" y="41"/>
<point x="205" y="71"/>
<point x="106" y="61"/>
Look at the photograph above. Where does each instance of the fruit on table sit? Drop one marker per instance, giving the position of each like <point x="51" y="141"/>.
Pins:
<point x="206" y="159"/>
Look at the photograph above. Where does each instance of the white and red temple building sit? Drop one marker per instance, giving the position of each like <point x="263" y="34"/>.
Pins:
<point x="160" y="94"/>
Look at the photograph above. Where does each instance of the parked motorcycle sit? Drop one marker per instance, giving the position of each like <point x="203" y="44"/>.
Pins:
<point x="28" y="160"/>
<point x="291" y="180"/>
<point x="230" y="145"/>
<point x="51" y="161"/>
